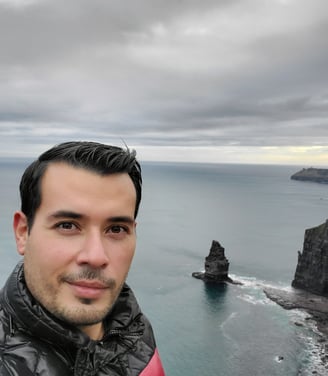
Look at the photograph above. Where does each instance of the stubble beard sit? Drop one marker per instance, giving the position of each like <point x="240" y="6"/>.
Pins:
<point x="83" y="312"/>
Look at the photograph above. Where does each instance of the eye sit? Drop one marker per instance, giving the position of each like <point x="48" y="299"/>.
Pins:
<point x="118" y="232"/>
<point x="66" y="226"/>
<point x="117" y="229"/>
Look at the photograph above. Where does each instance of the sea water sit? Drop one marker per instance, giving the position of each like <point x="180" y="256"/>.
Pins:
<point x="259" y="216"/>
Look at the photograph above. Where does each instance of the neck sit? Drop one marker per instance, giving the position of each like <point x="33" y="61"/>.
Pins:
<point x="95" y="332"/>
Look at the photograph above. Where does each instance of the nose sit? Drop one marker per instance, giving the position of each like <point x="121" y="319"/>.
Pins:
<point x="93" y="251"/>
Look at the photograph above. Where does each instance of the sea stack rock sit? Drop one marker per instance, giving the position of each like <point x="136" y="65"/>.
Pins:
<point x="216" y="265"/>
<point x="312" y="267"/>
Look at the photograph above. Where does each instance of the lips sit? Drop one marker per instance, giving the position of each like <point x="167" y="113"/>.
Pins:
<point x="90" y="284"/>
<point x="88" y="289"/>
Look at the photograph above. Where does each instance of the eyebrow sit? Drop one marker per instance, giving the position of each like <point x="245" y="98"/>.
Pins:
<point x="65" y="214"/>
<point x="74" y="215"/>
<point x="124" y="219"/>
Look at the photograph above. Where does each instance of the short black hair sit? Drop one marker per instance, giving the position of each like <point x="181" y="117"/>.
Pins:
<point x="100" y="158"/>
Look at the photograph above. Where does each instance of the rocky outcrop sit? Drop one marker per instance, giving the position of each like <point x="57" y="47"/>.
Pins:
<point x="315" y="305"/>
<point x="318" y="175"/>
<point x="216" y="266"/>
<point x="312" y="267"/>
<point x="310" y="282"/>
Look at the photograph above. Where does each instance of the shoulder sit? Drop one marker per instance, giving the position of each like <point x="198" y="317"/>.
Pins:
<point x="154" y="367"/>
<point x="21" y="354"/>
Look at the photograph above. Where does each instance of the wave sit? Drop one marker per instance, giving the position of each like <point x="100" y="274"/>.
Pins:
<point x="250" y="281"/>
<point x="252" y="288"/>
<point x="307" y="332"/>
<point x="228" y="319"/>
<point x="225" y="331"/>
<point x="314" y="363"/>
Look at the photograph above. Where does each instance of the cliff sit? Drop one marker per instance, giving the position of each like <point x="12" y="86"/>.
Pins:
<point x="310" y="282"/>
<point x="318" y="175"/>
<point x="216" y="265"/>
<point x="312" y="267"/>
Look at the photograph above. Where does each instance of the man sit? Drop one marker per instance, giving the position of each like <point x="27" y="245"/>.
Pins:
<point x="66" y="309"/>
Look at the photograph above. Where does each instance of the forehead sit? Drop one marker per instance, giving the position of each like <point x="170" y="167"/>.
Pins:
<point x="61" y="177"/>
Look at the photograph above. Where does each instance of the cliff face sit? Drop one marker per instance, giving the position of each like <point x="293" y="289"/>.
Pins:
<point x="312" y="267"/>
<point x="318" y="175"/>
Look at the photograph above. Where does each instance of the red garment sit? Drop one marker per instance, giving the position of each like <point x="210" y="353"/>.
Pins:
<point x="154" y="367"/>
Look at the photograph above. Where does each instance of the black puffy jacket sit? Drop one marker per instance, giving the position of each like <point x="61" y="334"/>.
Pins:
<point x="33" y="342"/>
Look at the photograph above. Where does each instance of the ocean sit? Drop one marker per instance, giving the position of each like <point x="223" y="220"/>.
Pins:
<point x="259" y="216"/>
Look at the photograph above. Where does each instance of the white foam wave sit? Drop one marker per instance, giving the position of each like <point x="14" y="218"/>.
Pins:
<point x="225" y="331"/>
<point x="316" y="351"/>
<point x="255" y="300"/>
<point x="252" y="293"/>
<point x="228" y="319"/>
<point x="247" y="281"/>
<point x="253" y="287"/>
<point x="257" y="283"/>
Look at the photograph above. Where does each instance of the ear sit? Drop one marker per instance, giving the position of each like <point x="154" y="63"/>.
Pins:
<point x="20" y="231"/>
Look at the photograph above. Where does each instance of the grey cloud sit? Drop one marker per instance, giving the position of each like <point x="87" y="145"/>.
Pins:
<point x="45" y="30"/>
<point x="181" y="73"/>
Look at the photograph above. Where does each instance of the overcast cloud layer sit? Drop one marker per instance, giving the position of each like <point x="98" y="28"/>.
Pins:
<point x="210" y="80"/>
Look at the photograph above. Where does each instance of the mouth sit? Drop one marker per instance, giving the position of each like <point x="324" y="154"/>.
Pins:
<point x="88" y="289"/>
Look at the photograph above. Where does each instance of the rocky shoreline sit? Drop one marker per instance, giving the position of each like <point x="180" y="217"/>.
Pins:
<point x="309" y="291"/>
<point x="315" y="305"/>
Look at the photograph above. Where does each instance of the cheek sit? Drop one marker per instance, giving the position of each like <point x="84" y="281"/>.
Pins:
<point x="125" y="259"/>
<point x="122" y="259"/>
<point x="46" y="255"/>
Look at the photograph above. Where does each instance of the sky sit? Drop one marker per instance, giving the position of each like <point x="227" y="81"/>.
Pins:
<point x="219" y="81"/>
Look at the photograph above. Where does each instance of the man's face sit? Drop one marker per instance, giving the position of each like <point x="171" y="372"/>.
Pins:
<point x="79" y="250"/>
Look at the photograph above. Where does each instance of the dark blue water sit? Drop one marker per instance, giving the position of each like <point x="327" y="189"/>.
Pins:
<point x="259" y="215"/>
